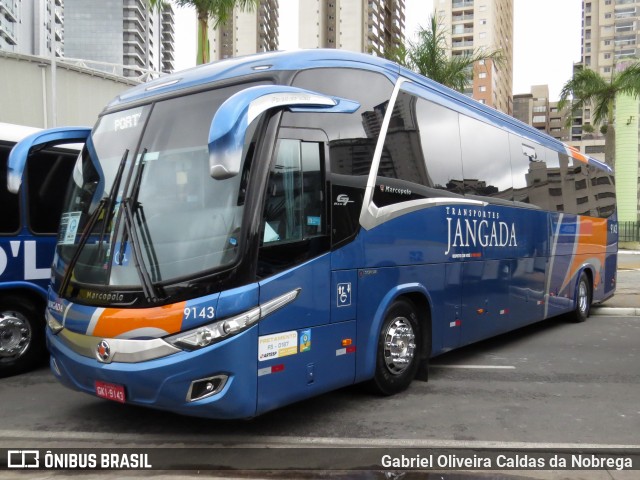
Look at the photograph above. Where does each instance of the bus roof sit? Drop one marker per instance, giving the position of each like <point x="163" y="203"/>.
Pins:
<point x="10" y="132"/>
<point x="238" y="67"/>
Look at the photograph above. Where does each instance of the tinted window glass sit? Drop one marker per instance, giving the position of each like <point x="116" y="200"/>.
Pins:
<point x="544" y="180"/>
<point x="294" y="207"/>
<point x="440" y="139"/>
<point x="527" y="161"/>
<point x="48" y="173"/>
<point x="603" y="190"/>
<point x="352" y="137"/>
<point x="577" y="188"/>
<point x="421" y="153"/>
<point x="10" y="218"/>
<point x="485" y="165"/>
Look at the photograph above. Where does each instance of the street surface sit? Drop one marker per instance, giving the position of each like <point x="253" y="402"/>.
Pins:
<point x="553" y="383"/>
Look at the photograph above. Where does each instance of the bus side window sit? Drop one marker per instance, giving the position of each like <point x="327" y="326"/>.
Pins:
<point x="604" y="191"/>
<point x="48" y="173"/>
<point x="10" y="218"/>
<point x="294" y="218"/>
<point x="487" y="164"/>
<point x="421" y="153"/>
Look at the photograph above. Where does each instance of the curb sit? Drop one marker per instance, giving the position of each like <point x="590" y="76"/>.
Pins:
<point x="615" y="311"/>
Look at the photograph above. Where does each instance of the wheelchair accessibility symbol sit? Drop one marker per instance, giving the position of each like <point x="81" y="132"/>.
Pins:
<point x="344" y="294"/>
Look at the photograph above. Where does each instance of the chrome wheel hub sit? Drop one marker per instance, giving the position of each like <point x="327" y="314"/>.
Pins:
<point x="583" y="297"/>
<point x="15" y="335"/>
<point x="399" y="345"/>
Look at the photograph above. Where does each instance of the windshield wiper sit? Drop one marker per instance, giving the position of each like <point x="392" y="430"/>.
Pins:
<point x="100" y="208"/>
<point x="130" y="208"/>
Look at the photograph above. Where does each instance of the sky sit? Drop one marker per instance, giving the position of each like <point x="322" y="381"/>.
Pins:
<point x="546" y="38"/>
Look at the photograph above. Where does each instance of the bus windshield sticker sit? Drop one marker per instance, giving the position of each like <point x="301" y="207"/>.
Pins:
<point x="277" y="345"/>
<point x="69" y="228"/>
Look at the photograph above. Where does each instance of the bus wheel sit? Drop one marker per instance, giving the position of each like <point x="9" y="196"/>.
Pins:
<point x="583" y="299"/>
<point x="22" y="343"/>
<point x="398" y="353"/>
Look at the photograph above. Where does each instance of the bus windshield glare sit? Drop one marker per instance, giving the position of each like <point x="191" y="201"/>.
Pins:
<point x="144" y="202"/>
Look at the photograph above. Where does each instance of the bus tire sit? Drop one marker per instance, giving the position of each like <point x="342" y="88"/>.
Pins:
<point x="583" y="299"/>
<point x="22" y="335"/>
<point x="398" y="351"/>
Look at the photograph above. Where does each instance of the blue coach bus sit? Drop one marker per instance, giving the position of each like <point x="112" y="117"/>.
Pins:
<point x="257" y="231"/>
<point x="28" y="232"/>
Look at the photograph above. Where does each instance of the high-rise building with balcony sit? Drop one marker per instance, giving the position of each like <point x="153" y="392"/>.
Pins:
<point x="29" y="26"/>
<point x="122" y="32"/>
<point x="611" y="40"/>
<point x="369" y="26"/>
<point x="537" y="110"/>
<point x="246" y="32"/>
<point x="482" y="24"/>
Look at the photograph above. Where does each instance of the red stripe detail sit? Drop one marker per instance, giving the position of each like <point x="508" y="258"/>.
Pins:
<point x="277" y="368"/>
<point x="351" y="349"/>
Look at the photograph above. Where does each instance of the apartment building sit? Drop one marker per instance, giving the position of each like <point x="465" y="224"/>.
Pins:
<point x="611" y="39"/>
<point x="29" y="26"/>
<point x="246" y="32"/>
<point x="537" y="110"/>
<point x="369" y="26"/>
<point x="125" y="32"/>
<point x="482" y="24"/>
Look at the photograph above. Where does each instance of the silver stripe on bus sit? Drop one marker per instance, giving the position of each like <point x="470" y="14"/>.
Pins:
<point x="124" y="350"/>
<point x="552" y="256"/>
<point x="132" y="351"/>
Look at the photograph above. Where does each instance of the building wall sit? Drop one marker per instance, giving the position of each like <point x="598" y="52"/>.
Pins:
<point x="351" y="24"/>
<point x="368" y="26"/>
<point x="626" y="167"/>
<point x="25" y="26"/>
<point x="25" y="92"/>
<point x="246" y="32"/>
<point x="122" y="32"/>
<point x="94" y="30"/>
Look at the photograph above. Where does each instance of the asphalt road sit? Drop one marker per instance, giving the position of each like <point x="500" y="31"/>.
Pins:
<point x="554" y="383"/>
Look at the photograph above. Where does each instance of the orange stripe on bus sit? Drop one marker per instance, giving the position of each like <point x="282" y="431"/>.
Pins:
<point x="117" y="321"/>
<point x="575" y="153"/>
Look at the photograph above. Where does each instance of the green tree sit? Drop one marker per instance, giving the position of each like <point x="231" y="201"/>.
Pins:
<point x="429" y="56"/>
<point x="590" y="89"/>
<point x="217" y="11"/>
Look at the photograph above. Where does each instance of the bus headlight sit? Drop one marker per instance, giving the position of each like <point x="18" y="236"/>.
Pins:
<point x="206" y="335"/>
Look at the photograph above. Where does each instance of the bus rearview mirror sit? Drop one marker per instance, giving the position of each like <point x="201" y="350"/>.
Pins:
<point x="231" y="121"/>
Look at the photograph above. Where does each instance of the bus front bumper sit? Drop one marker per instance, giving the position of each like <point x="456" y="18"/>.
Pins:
<point x="168" y="383"/>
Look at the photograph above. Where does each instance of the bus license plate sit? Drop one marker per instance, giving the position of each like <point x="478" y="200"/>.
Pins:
<point x="110" y="391"/>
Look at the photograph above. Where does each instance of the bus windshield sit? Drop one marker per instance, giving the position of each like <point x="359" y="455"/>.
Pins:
<point x="141" y="208"/>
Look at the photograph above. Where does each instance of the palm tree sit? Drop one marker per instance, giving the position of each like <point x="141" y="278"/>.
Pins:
<point x="429" y="57"/>
<point x="589" y="88"/>
<point x="219" y="11"/>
